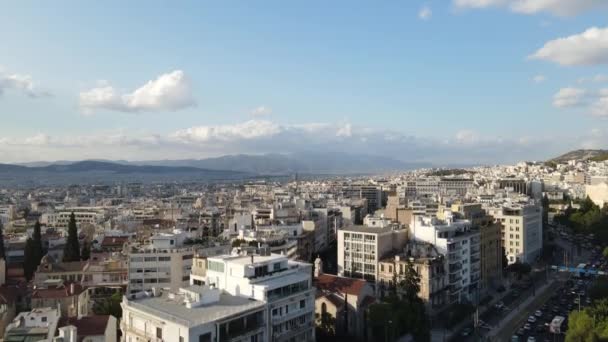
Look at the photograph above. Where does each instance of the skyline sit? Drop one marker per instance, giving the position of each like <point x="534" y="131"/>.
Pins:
<point x="484" y="81"/>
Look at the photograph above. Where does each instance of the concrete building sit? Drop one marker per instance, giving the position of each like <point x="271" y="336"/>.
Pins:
<point x="163" y="263"/>
<point x="598" y="193"/>
<point x="193" y="314"/>
<point x="428" y="263"/>
<point x="284" y="285"/>
<point x="71" y="298"/>
<point x="522" y="229"/>
<point x="36" y="325"/>
<point x="360" y="248"/>
<point x="97" y="328"/>
<point x="459" y="243"/>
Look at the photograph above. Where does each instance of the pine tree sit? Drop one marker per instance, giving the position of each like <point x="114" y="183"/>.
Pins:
<point x="28" y="259"/>
<point x="2" y="252"/>
<point x="71" y="251"/>
<point x="37" y="250"/>
<point x="85" y="254"/>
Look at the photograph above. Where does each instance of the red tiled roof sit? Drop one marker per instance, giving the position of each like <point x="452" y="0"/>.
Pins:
<point x="114" y="241"/>
<point x="332" y="283"/>
<point x="89" y="325"/>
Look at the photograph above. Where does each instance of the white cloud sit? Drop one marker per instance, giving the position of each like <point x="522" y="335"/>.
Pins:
<point x="345" y="130"/>
<point x="425" y="13"/>
<point x="587" y="48"/>
<point x="22" y="83"/>
<point x="539" y="79"/>
<point x="569" y="97"/>
<point x="261" y="111"/>
<point x="168" y="92"/>
<point x="251" y="129"/>
<point x="265" y="136"/>
<point x="599" y="78"/>
<point x="556" y="7"/>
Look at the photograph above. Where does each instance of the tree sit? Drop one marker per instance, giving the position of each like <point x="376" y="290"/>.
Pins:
<point x="85" y="253"/>
<point x="580" y="327"/>
<point x="605" y="252"/>
<point x="29" y="265"/>
<point x="109" y="306"/>
<point x="2" y="252"/>
<point x="71" y="251"/>
<point x="37" y="250"/>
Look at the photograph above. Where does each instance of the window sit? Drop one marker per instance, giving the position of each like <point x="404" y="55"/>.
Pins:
<point x="159" y="332"/>
<point x="181" y="339"/>
<point x="43" y="319"/>
<point x="205" y="338"/>
<point x="276" y="266"/>
<point x="302" y="304"/>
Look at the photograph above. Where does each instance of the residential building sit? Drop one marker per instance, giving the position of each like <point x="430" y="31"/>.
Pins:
<point x="428" y="263"/>
<point x="36" y="325"/>
<point x="193" y="314"/>
<point x="165" y="262"/>
<point x="522" y="226"/>
<point x="459" y="243"/>
<point x="73" y="299"/>
<point x="284" y="285"/>
<point x="361" y="247"/>
<point x="96" y="328"/>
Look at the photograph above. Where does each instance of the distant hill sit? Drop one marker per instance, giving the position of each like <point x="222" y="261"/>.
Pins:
<point x="305" y="163"/>
<point x="597" y="155"/>
<point x="90" y="171"/>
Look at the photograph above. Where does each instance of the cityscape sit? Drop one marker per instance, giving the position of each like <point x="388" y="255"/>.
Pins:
<point x="420" y="171"/>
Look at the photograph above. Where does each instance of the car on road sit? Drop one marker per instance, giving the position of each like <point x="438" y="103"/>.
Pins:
<point x="531" y="339"/>
<point x="521" y="331"/>
<point x="538" y="313"/>
<point x="531" y="319"/>
<point x="527" y="326"/>
<point x="514" y="338"/>
<point x="499" y="305"/>
<point x="466" y="332"/>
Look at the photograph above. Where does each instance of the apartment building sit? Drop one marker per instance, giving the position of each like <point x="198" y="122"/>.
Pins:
<point x="165" y="262"/>
<point x="428" y="263"/>
<point x="284" y="285"/>
<point x="36" y="325"/>
<point x="360" y="248"/>
<point x="459" y="243"/>
<point x="522" y="226"/>
<point x="192" y="314"/>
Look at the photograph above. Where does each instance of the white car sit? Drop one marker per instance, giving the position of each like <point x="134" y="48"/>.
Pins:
<point x="531" y="339"/>
<point x="531" y="319"/>
<point x="538" y="313"/>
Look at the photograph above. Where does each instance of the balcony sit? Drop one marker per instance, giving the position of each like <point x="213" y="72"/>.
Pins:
<point x="455" y="267"/>
<point x="454" y="279"/>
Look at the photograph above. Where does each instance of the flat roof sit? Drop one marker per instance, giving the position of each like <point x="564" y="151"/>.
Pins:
<point x="366" y="229"/>
<point x="174" y="309"/>
<point x="246" y="259"/>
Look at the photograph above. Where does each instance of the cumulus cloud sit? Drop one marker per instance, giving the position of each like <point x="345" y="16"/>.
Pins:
<point x="265" y="136"/>
<point x="587" y="48"/>
<point x="599" y="78"/>
<point x="425" y="13"/>
<point x="261" y="111"/>
<point x="539" y="79"/>
<point x="556" y="7"/>
<point x="569" y="97"/>
<point x="21" y="83"/>
<point x="168" y="92"/>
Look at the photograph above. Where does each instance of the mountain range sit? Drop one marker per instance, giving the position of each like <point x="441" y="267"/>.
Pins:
<point x="210" y="169"/>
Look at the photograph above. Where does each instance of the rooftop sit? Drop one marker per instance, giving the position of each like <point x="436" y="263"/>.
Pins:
<point x="172" y="306"/>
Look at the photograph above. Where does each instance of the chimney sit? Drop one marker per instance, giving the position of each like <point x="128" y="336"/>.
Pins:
<point x="69" y="333"/>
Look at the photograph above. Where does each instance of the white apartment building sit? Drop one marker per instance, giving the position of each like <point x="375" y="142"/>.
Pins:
<point x="163" y="263"/>
<point x="37" y="325"/>
<point x="284" y="285"/>
<point x="361" y="247"/>
<point x="60" y="219"/>
<point x="522" y="230"/>
<point x="192" y="314"/>
<point x="460" y="245"/>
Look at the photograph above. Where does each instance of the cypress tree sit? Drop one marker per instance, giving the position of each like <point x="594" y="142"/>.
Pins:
<point x="37" y="250"/>
<point x="71" y="251"/>
<point x="2" y="252"/>
<point x="85" y="254"/>
<point x="28" y="259"/>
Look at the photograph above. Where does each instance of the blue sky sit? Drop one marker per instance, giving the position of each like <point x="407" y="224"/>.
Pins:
<point x="352" y="76"/>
